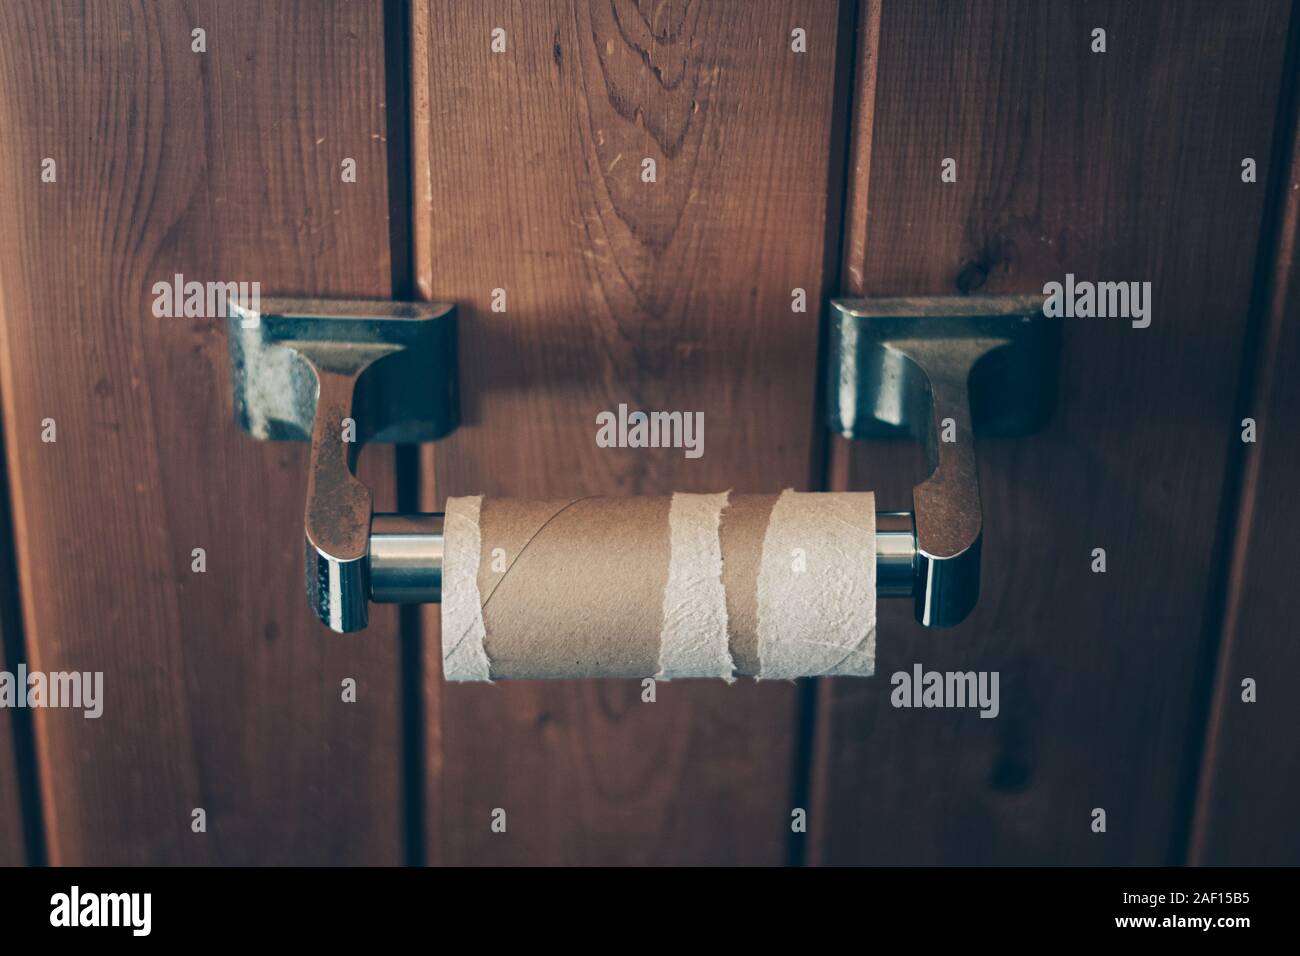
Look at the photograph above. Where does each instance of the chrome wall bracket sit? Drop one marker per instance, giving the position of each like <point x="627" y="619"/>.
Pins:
<point x="942" y="370"/>
<point x="341" y="373"/>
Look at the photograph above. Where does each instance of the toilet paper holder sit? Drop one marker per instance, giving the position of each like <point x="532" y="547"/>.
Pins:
<point x="941" y="369"/>
<point x="340" y="373"/>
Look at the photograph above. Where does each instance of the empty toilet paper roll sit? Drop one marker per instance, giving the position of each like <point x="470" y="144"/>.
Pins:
<point x="768" y="586"/>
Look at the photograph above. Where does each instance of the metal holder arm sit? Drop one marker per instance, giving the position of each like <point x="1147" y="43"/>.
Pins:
<point x="939" y="370"/>
<point x="342" y="373"/>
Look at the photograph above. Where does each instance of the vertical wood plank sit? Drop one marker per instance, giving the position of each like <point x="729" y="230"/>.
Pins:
<point x="1117" y="166"/>
<point x="221" y="691"/>
<point x="1250" y="784"/>
<point x="674" y="295"/>
<point x="13" y="850"/>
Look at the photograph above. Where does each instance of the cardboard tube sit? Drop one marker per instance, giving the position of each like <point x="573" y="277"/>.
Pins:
<point x="768" y="586"/>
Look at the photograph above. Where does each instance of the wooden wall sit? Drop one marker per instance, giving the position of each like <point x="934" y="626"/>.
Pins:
<point x="221" y="693"/>
<point x="669" y="295"/>
<point x="1068" y="161"/>
<point x="521" y="171"/>
<point x="1246" y="811"/>
<point x="13" y="847"/>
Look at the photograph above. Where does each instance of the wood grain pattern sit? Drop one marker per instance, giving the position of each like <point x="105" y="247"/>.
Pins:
<point x="1250" y="785"/>
<point x="221" y="692"/>
<point x="674" y="295"/>
<point x="1120" y="166"/>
